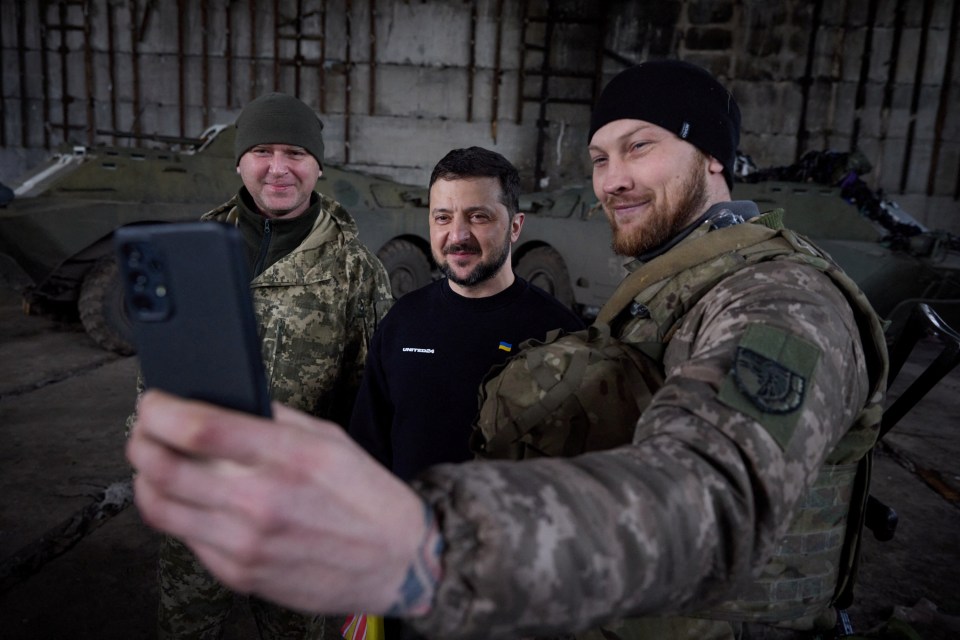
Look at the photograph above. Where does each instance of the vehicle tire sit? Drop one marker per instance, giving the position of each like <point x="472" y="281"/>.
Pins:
<point x="406" y="265"/>
<point x="545" y="268"/>
<point x="102" y="310"/>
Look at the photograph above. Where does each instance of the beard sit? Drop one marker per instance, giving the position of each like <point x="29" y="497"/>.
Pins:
<point x="662" y="222"/>
<point x="480" y="273"/>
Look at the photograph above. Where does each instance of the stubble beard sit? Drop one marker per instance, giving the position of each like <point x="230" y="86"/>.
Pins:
<point x="663" y="224"/>
<point x="480" y="273"/>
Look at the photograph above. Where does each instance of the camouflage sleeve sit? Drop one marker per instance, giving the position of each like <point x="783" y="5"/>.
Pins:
<point x="368" y="300"/>
<point x="132" y="418"/>
<point x="673" y="522"/>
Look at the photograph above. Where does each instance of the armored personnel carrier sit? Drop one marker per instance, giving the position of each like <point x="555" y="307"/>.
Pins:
<point x="55" y="235"/>
<point x="897" y="261"/>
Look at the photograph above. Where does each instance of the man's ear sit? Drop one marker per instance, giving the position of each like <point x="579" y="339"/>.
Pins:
<point x="715" y="166"/>
<point x="516" y="224"/>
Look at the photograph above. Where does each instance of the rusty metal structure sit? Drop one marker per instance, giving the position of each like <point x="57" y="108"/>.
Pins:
<point x="853" y="74"/>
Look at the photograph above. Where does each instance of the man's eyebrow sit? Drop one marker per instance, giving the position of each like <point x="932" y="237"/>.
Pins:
<point x="468" y="209"/>
<point x="638" y="128"/>
<point x="281" y="146"/>
<point x="478" y="207"/>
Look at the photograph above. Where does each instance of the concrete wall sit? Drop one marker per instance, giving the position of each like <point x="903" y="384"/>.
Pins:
<point x="400" y="83"/>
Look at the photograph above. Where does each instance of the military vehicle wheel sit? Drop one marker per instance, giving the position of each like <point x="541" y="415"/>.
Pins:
<point x="545" y="268"/>
<point x="406" y="265"/>
<point x="102" y="309"/>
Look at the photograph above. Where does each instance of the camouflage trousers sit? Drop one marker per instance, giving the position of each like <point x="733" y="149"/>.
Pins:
<point x="194" y="605"/>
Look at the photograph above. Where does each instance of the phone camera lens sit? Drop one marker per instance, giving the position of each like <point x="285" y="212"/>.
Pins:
<point x="134" y="257"/>
<point x="139" y="281"/>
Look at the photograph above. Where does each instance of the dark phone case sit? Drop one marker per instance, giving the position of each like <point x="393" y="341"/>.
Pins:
<point x="187" y="293"/>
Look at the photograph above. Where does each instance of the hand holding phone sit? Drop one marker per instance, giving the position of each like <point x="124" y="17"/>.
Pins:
<point x="187" y="291"/>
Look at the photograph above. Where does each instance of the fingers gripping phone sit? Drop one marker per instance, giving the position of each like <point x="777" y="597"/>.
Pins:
<point x="187" y="291"/>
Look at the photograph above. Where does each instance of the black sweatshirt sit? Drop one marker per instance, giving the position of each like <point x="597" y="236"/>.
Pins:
<point x="426" y="361"/>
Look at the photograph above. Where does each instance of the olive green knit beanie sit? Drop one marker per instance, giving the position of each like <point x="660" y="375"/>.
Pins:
<point x="277" y="118"/>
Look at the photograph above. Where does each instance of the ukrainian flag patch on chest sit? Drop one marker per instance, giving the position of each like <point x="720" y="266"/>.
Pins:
<point x="506" y="346"/>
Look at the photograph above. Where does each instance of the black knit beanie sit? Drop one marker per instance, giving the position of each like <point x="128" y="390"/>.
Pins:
<point x="680" y="97"/>
<point x="276" y="118"/>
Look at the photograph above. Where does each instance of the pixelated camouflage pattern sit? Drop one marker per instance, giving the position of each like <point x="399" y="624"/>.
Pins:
<point x="689" y="514"/>
<point x="195" y="605"/>
<point x="564" y="395"/>
<point x="316" y="310"/>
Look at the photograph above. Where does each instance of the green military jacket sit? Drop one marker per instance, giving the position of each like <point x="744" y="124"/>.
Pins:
<point x="317" y="308"/>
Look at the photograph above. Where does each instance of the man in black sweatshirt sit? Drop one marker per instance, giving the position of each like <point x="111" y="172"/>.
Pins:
<point x="419" y="392"/>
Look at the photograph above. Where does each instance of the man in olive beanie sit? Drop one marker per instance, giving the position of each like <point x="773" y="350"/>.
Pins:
<point x="279" y="118"/>
<point x="318" y="296"/>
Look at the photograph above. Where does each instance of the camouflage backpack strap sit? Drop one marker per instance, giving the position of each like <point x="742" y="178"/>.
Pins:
<point x="687" y="255"/>
<point x="569" y="394"/>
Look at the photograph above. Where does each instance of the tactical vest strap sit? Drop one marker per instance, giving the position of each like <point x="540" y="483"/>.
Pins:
<point x="849" y="567"/>
<point x="684" y="256"/>
<point x="800" y="580"/>
<point x="817" y="592"/>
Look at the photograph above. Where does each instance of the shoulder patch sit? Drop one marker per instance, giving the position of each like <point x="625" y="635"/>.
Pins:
<point x="766" y="383"/>
<point x="769" y="378"/>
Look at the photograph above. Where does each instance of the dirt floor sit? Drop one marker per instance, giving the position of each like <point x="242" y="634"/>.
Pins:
<point x="63" y="402"/>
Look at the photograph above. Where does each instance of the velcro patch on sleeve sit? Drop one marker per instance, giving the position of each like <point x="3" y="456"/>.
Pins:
<point x="769" y="378"/>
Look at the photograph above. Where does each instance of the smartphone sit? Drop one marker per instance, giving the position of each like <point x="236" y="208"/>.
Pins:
<point x="187" y="292"/>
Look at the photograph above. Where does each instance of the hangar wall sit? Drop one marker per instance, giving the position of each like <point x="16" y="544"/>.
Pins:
<point x="400" y="83"/>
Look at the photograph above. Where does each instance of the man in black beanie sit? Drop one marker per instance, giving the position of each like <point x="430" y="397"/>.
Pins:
<point x="691" y="116"/>
<point x="729" y="496"/>
<point x="318" y="295"/>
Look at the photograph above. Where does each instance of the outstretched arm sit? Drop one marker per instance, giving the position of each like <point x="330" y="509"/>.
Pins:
<point x="294" y="511"/>
<point x="291" y="510"/>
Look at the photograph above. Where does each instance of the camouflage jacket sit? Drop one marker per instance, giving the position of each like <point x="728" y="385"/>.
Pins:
<point x="692" y="509"/>
<point x="317" y="308"/>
